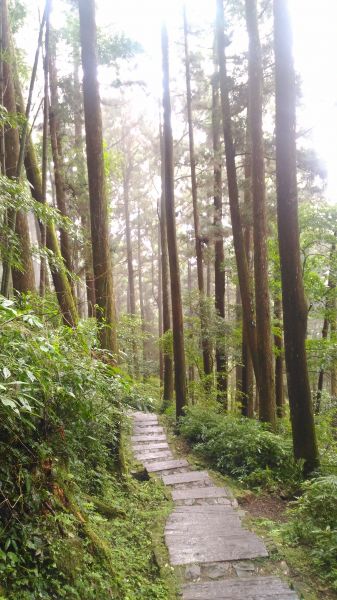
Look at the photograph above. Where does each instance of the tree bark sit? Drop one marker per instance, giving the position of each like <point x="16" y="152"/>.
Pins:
<point x="56" y="147"/>
<point x="106" y="313"/>
<point x="206" y="350"/>
<point x="247" y="376"/>
<point x="44" y="168"/>
<point x="23" y="280"/>
<point x="233" y="193"/>
<point x="328" y="320"/>
<point x="278" y="341"/>
<point x="166" y="310"/>
<point x="60" y="280"/>
<point x="267" y="409"/>
<point x="131" y="280"/>
<point x="177" y="312"/>
<point x="61" y="284"/>
<point x="294" y="304"/>
<point x="160" y="306"/>
<point x="219" y="255"/>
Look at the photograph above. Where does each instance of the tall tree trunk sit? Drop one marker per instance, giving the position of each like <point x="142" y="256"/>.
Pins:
<point x="333" y="329"/>
<point x="160" y="306"/>
<point x="131" y="281"/>
<point x="219" y="255"/>
<point x="294" y="304"/>
<point x="267" y="409"/>
<point x="141" y="292"/>
<point x="60" y="280"/>
<point x="106" y="313"/>
<point x="191" y="367"/>
<point x="233" y="193"/>
<point x="206" y="350"/>
<point x="56" y="147"/>
<point x="328" y="320"/>
<point x="44" y="169"/>
<point x="23" y="280"/>
<point x="247" y="376"/>
<point x="177" y="312"/>
<point x="278" y="341"/>
<point x="168" y="363"/>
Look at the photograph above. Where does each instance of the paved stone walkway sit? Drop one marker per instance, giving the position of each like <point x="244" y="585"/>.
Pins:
<point x="204" y="533"/>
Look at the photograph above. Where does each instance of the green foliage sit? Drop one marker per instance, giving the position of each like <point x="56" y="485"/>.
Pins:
<point x="112" y="48"/>
<point x="314" y="524"/>
<point x="242" y="448"/>
<point x="69" y="527"/>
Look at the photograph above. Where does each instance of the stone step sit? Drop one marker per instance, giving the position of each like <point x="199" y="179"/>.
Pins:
<point x="238" y="545"/>
<point x="147" y="430"/>
<point x="151" y="446"/>
<point x="186" y="477"/>
<point x="201" y="492"/>
<point x="166" y="465"/>
<point x="154" y="455"/>
<point x="150" y="437"/>
<point x="247" y="588"/>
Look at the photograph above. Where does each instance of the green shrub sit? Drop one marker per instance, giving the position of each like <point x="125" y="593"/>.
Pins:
<point x="60" y="425"/>
<point x="314" y="524"/>
<point x="242" y="448"/>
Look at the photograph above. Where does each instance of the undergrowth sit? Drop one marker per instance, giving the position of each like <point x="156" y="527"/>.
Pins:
<point x="242" y="448"/>
<point x="72" y="523"/>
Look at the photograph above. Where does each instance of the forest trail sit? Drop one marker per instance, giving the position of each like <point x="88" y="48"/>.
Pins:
<point x="204" y="534"/>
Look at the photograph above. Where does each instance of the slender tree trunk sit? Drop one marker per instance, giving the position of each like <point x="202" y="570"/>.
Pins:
<point x="247" y="377"/>
<point x="233" y="193"/>
<point x="141" y="293"/>
<point x="60" y="280"/>
<point x="23" y="280"/>
<point x="83" y="199"/>
<point x="191" y="367"/>
<point x="294" y="304"/>
<point x="278" y="341"/>
<point x="2" y="87"/>
<point x="177" y="312"/>
<point x="219" y="255"/>
<point x="168" y="363"/>
<point x="56" y="147"/>
<point x="267" y="409"/>
<point x="333" y="329"/>
<point x="160" y="306"/>
<point x="131" y="281"/>
<point x="106" y="313"/>
<point x="325" y="331"/>
<point x="61" y="284"/>
<point x="206" y="351"/>
<point x="328" y="319"/>
<point x="44" y="169"/>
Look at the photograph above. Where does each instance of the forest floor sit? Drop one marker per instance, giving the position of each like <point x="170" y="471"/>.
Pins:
<point x="213" y="548"/>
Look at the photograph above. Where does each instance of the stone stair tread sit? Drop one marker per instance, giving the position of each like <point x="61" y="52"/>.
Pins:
<point x="201" y="492"/>
<point x="166" y="465"/>
<point x="152" y="446"/>
<point x="185" y="477"/>
<point x="147" y="430"/>
<point x="240" y="546"/>
<point x="247" y="588"/>
<point x="144" y="456"/>
<point x="149" y="437"/>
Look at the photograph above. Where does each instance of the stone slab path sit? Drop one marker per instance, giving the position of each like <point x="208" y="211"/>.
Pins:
<point x="204" y="533"/>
